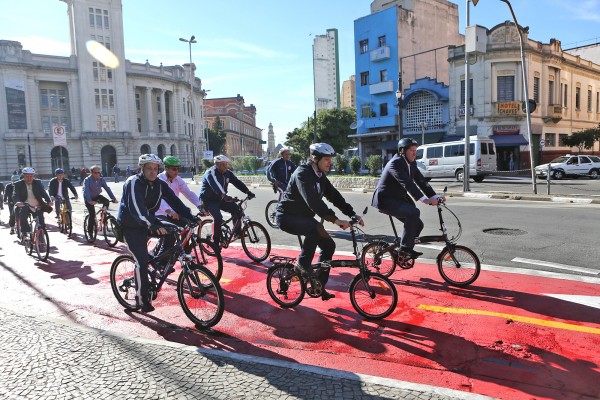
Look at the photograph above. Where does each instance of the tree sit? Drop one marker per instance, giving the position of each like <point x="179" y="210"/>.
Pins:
<point x="340" y="163"/>
<point x="216" y="137"/>
<point x="355" y="164"/>
<point x="582" y="139"/>
<point x="373" y="163"/>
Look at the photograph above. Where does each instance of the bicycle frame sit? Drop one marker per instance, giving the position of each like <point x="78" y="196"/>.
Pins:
<point x="227" y="239"/>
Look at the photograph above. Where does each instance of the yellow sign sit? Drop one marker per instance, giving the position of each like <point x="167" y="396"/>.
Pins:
<point x="508" y="107"/>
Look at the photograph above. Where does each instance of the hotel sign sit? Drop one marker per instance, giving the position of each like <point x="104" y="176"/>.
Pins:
<point x="509" y="107"/>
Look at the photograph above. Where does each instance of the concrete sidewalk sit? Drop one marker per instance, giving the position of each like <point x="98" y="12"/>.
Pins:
<point x="45" y="358"/>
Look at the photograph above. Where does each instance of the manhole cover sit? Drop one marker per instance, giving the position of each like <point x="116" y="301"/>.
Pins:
<point x="504" y="231"/>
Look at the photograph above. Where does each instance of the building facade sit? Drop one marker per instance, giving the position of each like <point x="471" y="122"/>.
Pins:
<point x="565" y="87"/>
<point x="397" y="45"/>
<point x="243" y="137"/>
<point x="76" y="111"/>
<point x="349" y="92"/>
<point x="326" y="71"/>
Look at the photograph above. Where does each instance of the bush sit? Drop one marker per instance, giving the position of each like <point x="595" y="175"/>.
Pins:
<point x="355" y="164"/>
<point x="296" y="158"/>
<point x="253" y="164"/>
<point x="340" y="163"/>
<point x="373" y="163"/>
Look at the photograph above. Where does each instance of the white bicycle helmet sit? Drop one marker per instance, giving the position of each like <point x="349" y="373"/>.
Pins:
<point x="221" y="158"/>
<point x="322" y="150"/>
<point x="28" y="170"/>
<point x="289" y="149"/>
<point x="149" y="158"/>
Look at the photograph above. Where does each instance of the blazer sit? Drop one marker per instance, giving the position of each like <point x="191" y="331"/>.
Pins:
<point x="20" y="191"/>
<point x="66" y="185"/>
<point x="398" y="180"/>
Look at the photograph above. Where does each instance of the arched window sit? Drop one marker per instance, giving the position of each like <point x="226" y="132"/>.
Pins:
<point x="145" y="149"/>
<point x="423" y="107"/>
<point x="108" y="155"/>
<point x="161" y="150"/>
<point x="59" y="157"/>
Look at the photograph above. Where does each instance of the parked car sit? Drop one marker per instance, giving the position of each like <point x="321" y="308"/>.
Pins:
<point x="570" y="166"/>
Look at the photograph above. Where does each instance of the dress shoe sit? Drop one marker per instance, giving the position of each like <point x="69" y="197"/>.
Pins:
<point x="147" y="307"/>
<point x="412" y="253"/>
<point x="326" y="295"/>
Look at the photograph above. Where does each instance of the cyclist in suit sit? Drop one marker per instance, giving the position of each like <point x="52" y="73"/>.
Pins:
<point x="32" y="191"/>
<point x="59" y="186"/>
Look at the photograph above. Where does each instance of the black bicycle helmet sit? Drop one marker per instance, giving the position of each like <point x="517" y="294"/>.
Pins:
<point x="405" y="143"/>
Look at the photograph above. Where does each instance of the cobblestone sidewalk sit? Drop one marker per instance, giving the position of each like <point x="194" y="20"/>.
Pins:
<point x="51" y="359"/>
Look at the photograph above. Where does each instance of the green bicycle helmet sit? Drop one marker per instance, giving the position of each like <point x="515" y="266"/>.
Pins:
<point x="172" y="161"/>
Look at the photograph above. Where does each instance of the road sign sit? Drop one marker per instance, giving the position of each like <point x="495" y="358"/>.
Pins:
<point x="542" y="142"/>
<point x="59" y="135"/>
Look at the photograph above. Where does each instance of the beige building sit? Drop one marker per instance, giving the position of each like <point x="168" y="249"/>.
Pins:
<point x="565" y="87"/>
<point x="97" y="114"/>
<point x="349" y="92"/>
<point x="326" y="71"/>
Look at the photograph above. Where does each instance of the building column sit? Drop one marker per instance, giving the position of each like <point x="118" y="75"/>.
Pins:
<point x="149" y="119"/>
<point x="163" y="111"/>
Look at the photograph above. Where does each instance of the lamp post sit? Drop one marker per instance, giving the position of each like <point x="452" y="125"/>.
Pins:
<point x="29" y="149"/>
<point x="399" y="99"/>
<point x="423" y="126"/>
<point x="190" y="41"/>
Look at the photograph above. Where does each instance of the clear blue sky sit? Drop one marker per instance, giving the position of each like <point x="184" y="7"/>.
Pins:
<point x="262" y="49"/>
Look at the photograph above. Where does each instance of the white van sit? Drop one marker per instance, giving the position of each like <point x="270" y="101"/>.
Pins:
<point x="447" y="159"/>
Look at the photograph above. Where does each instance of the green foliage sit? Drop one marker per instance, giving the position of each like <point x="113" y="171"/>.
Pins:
<point x="296" y="158"/>
<point x="355" y="164"/>
<point x="254" y="163"/>
<point x="333" y="127"/>
<point x="237" y="163"/>
<point x="216" y="137"/>
<point x="206" y="163"/>
<point x="583" y="139"/>
<point x="340" y="163"/>
<point x="373" y="163"/>
<point x="247" y="163"/>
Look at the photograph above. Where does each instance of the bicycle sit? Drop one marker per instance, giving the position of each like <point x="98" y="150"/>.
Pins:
<point x="271" y="209"/>
<point x="38" y="238"/>
<point x="458" y="265"/>
<point x="196" y="245"/>
<point x="198" y="291"/>
<point x="252" y="234"/>
<point x="103" y="222"/>
<point x="372" y="295"/>
<point x="65" y="222"/>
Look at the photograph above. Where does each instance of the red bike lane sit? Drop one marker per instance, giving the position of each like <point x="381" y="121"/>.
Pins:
<point x="508" y="335"/>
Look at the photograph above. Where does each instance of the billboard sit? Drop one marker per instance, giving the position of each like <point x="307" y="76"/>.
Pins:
<point x="15" y="104"/>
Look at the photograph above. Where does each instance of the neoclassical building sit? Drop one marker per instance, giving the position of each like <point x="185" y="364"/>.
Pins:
<point x="566" y="88"/>
<point x="76" y="111"/>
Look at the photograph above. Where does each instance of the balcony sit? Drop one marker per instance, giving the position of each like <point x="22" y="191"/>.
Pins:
<point x="380" y="53"/>
<point x="553" y="113"/>
<point x="106" y="135"/>
<point x="381" y="87"/>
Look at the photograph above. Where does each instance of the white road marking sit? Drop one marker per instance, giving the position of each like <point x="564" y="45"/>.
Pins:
<point x="564" y="267"/>
<point x="590" y="301"/>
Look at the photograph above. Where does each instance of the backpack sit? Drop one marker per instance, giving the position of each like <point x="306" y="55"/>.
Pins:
<point x="268" y="171"/>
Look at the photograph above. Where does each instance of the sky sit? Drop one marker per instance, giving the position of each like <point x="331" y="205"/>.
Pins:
<point x="262" y="49"/>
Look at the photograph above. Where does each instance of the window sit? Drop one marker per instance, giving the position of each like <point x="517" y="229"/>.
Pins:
<point x="491" y="148"/>
<point x="589" y="102"/>
<point x="435" y="152"/>
<point x="137" y="102"/>
<point x="158" y="103"/>
<point x="98" y="18"/>
<point x="46" y="124"/>
<point x="95" y="68"/>
<point x="584" y="160"/>
<point x="160" y="125"/>
<point x="364" y="78"/>
<point x="381" y="41"/>
<point x="550" y="139"/>
<point x="97" y="97"/>
<point x="383" y="76"/>
<point x="577" y="98"/>
<point x="561" y="138"/>
<point x="44" y="100"/>
<point x="139" y="124"/>
<point x="536" y="89"/>
<point x="565" y="95"/>
<point x="462" y="92"/>
<point x="383" y="109"/>
<point x="98" y="123"/>
<point x="111" y="98"/>
<point x="506" y="88"/>
<point x="598" y="102"/>
<point x="423" y="107"/>
<point x="104" y="98"/>
<point x="363" y="46"/>
<point x="365" y="111"/>
<point x="62" y="100"/>
<point x="550" y="92"/>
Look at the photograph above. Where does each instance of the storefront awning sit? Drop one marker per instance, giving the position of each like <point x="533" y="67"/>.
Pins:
<point x="509" y="140"/>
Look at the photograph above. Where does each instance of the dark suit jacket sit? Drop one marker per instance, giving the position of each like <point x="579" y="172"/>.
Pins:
<point x="20" y="191"/>
<point x="397" y="181"/>
<point x="66" y="185"/>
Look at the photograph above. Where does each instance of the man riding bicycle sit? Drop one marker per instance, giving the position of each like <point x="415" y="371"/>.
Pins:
<point x="59" y="187"/>
<point x="400" y="177"/>
<point x="302" y="200"/>
<point x="142" y="196"/>
<point x="92" y="189"/>
<point x="213" y="194"/>
<point x="30" y="190"/>
<point x="281" y="170"/>
<point x="8" y="193"/>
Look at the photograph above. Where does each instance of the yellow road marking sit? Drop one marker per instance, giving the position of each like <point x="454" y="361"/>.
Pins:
<point x="527" y="320"/>
<point x="224" y="280"/>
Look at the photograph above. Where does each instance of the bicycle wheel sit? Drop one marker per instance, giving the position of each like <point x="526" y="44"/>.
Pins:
<point x="205" y="232"/>
<point x="270" y="214"/>
<point x="108" y="230"/>
<point x="61" y="222"/>
<point x="200" y="296"/>
<point x="90" y="232"/>
<point x="68" y="227"/>
<point x="373" y="296"/>
<point x="42" y="244"/>
<point x="460" y="267"/>
<point x="213" y="262"/>
<point x="122" y="281"/>
<point x="284" y="285"/>
<point x="27" y="242"/>
<point x="384" y="263"/>
<point x="256" y="241"/>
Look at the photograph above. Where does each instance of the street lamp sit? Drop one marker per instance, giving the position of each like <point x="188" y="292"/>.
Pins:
<point x="399" y="99"/>
<point x="192" y="40"/>
<point x="423" y="126"/>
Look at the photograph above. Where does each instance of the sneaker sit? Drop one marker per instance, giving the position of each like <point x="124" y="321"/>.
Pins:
<point x="411" y="253"/>
<point x="327" y="296"/>
<point x="12" y="231"/>
<point x="147" y="307"/>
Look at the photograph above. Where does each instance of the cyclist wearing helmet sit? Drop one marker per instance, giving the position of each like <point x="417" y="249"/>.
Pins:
<point x="213" y="194"/>
<point x="302" y="200"/>
<point x="32" y="191"/>
<point x="8" y="193"/>
<point x="59" y="186"/>
<point x="400" y="177"/>
<point x="92" y="189"/>
<point x="142" y="196"/>
<point x="282" y="169"/>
